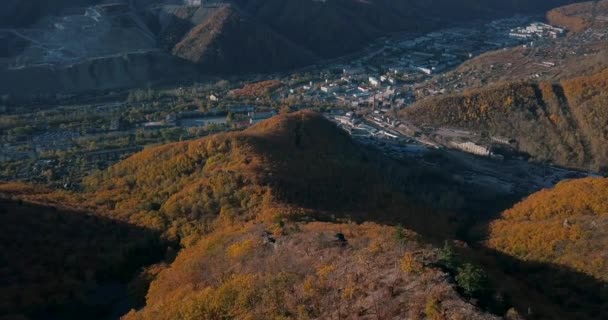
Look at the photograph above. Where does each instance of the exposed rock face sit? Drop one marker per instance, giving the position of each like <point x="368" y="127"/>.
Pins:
<point x="23" y="13"/>
<point x="137" y="69"/>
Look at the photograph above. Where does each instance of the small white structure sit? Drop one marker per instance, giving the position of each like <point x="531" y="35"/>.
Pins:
<point x="330" y="88"/>
<point x="471" y="147"/>
<point x="424" y="70"/>
<point x="374" y="82"/>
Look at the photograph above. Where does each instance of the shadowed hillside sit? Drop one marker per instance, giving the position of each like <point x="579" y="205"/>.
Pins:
<point x="555" y="240"/>
<point x="290" y="166"/>
<point x="564" y="122"/>
<point x="255" y="36"/>
<point x="228" y="41"/>
<point x="68" y="265"/>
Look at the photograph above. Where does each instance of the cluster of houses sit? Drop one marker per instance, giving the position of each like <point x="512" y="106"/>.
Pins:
<point x="536" y="30"/>
<point x="391" y="76"/>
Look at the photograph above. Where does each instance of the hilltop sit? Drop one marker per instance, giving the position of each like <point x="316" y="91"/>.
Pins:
<point x="563" y="122"/>
<point x="290" y="166"/>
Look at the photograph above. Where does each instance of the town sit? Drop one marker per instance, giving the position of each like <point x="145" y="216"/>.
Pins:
<point x="362" y="93"/>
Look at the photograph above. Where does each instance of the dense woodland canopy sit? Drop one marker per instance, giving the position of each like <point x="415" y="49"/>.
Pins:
<point x="565" y="123"/>
<point x="290" y="218"/>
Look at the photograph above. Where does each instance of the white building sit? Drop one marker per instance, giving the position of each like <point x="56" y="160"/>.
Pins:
<point x="424" y="70"/>
<point x="374" y="82"/>
<point x="471" y="147"/>
<point x="330" y="88"/>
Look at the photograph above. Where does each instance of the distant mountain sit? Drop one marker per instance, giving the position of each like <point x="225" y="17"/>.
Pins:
<point x="228" y="41"/>
<point x="564" y="122"/>
<point x="223" y="37"/>
<point x="332" y="28"/>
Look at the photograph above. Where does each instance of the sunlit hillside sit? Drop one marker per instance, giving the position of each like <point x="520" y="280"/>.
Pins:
<point x="564" y="225"/>
<point x="565" y="123"/>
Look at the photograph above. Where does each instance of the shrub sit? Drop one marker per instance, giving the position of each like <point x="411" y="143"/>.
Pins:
<point x="472" y="279"/>
<point x="433" y="309"/>
<point x="448" y="257"/>
<point x="410" y="264"/>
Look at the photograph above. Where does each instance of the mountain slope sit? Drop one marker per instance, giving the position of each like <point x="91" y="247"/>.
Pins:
<point x="572" y="217"/>
<point x="332" y="28"/>
<point x="22" y="13"/>
<point x="268" y="221"/>
<point x="305" y="272"/>
<point x="227" y="41"/>
<point x="580" y="16"/>
<point x="556" y="240"/>
<point x="561" y="122"/>
<point x="67" y="264"/>
<point x="290" y="166"/>
<point x="254" y="35"/>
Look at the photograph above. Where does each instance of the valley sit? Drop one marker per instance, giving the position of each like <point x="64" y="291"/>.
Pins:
<point x="334" y="159"/>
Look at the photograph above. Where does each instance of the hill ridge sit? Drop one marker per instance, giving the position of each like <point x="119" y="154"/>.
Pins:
<point x="561" y="122"/>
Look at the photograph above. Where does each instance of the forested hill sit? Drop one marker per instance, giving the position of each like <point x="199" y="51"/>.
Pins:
<point x="564" y="225"/>
<point x="559" y="238"/>
<point x="565" y="123"/>
<point x="267" y="219"/>
<point x="292" y="165"/>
